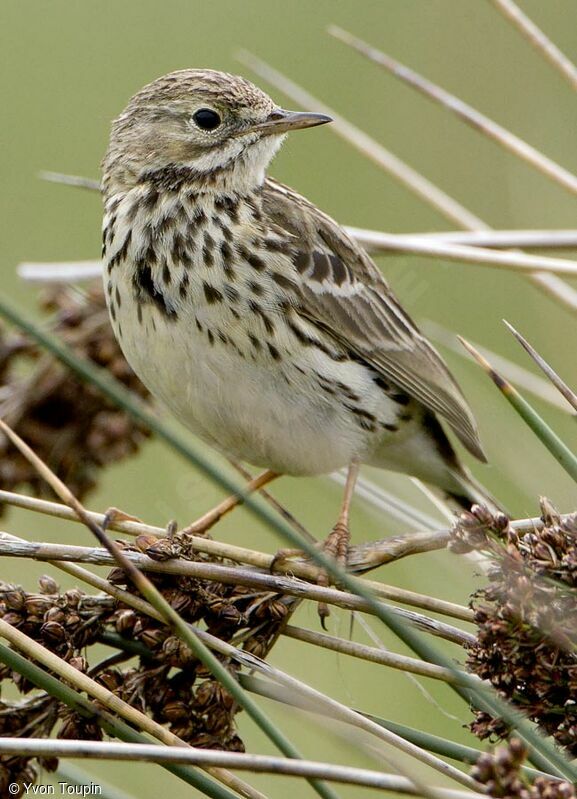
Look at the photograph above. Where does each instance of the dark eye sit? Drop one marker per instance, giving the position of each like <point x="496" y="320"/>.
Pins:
<point x="206" y="119"/>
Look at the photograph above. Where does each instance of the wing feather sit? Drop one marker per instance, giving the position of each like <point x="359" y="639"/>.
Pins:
<point x="341" y="290"/>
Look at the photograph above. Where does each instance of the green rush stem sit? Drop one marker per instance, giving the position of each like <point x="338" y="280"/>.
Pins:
<point x="544" y="433"/>
<point x="542" y="753"/>
<point x="426" y="740"/>
<point x="439" y="745"/>
<point x="112" y="726"/>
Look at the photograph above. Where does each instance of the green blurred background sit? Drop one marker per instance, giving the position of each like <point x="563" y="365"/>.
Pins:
<point x="69" y="67"/>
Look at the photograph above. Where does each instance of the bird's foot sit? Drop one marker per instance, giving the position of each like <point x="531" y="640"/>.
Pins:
<point x="113" y="515"/>
<point x="336" y="546"/>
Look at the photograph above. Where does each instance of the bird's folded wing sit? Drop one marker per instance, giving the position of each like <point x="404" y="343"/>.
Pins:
<point x="342" y="291"/>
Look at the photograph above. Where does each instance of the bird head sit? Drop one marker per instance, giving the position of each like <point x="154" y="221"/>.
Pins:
<point x="218" y="127"/>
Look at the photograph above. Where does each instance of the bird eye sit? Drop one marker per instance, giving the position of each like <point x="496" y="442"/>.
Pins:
<point x="206" y="119"/>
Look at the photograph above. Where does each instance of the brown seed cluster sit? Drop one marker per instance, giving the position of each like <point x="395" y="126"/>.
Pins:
<point x="500" y="775"/>
<point x="526" y="618"/>
<point x="18" y="719"/>
<point x="65" y="623"/>
<point x="190" y="701"/>
<point x="71" y="425"/>
<point x="159" y="675"/>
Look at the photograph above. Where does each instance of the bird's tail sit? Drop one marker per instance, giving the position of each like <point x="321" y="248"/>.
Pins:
<point x="470" y="492"/>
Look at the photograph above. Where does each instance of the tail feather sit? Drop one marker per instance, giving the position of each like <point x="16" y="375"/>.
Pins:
<point x="471" y="492"/>
<point x="460" y="488"/>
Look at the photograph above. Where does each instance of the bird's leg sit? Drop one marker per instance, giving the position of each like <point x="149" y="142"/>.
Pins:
<point x="336" y="544"/>
<point x="209" y="519"/>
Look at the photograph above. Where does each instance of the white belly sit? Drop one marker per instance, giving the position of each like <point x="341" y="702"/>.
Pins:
<point x="262" y="412"/>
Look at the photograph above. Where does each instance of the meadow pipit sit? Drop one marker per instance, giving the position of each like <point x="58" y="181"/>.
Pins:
<point x="253" y="315"/>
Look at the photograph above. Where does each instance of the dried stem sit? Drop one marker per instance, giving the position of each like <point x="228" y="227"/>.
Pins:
<point x="112" y="725"/>
<point x="193" y="638"/>
<point x="439" y="248"/>
<point x="497" y="239"/>
<point x="369" y="653"/>
<point x="93" y="750"/>
<point x="399" y="170"/>
<point x="70" y="180"/>
<point x="367" y="556"/>
<point x="374" y="241"/>
<point x="82" y="682"/>
<point x="425" y="246"/>
<point x="538" y="40"/>
<point x="224" y="574"/>
<point x="60" y="271"/>
<point x="559" y="384"/>
<point x="170" y="616"/>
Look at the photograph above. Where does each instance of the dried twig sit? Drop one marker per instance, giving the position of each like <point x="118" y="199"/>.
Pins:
<point x="538" y="39"/>
<point x="234" y="760"/>
<point x="224" y="574"/>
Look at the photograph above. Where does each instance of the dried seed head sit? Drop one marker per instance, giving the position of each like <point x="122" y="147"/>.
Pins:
<point x="48" y="585"/>
<point x="499" y="774"/>
<point x="125" y="621"/>
<point x="53" y="404"/>
<point x="527" y="621"/>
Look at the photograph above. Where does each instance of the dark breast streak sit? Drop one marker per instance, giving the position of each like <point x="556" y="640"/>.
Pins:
<point x="188" y="257"/>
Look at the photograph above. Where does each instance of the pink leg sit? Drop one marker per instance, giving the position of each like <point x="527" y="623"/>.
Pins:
<point x="209" y="519"/>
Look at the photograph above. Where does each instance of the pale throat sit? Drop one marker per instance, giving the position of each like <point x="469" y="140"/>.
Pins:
<point x="237" y="166"/>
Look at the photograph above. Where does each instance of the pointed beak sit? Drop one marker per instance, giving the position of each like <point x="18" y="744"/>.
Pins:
<point x="281" y="121"/>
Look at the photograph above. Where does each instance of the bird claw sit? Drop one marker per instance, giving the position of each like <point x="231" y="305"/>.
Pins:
<point x="112" y="515"/>
<point x="283" y="555"/>
<point x="336" y="546"/>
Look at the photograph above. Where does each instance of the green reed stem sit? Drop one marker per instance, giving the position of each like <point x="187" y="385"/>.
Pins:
<point x="544" y="433"/>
